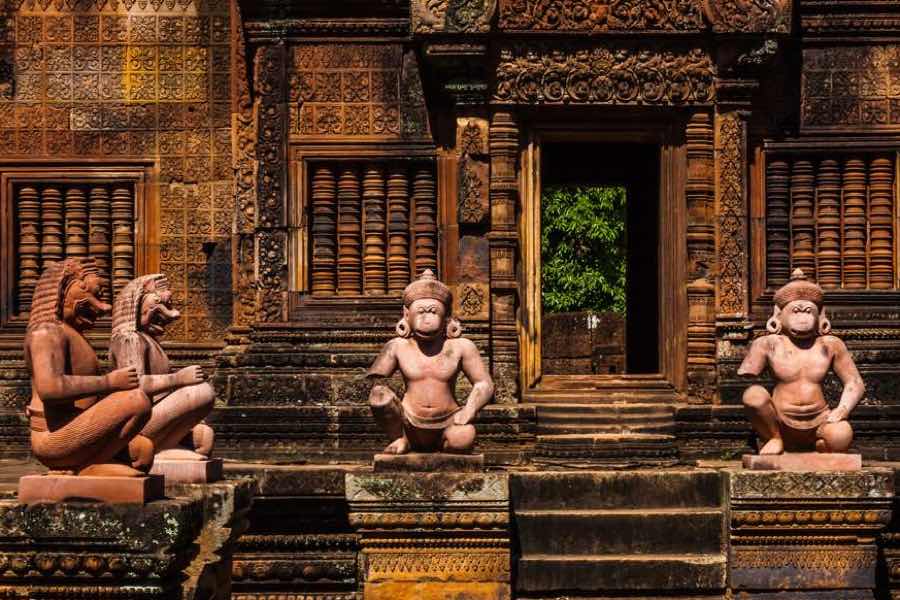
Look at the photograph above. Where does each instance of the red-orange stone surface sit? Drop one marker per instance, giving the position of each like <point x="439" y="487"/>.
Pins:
<point x="188" y="471"/>
<point x="803" y="461"/>
<point x="112" y="490"/>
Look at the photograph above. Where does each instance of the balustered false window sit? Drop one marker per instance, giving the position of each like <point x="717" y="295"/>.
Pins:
<point x="835" y="217"/>
<point x="372" y="226"/>
<point x="53" y="214"/>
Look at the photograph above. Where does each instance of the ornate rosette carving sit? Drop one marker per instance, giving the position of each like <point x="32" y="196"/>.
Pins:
<point x="609" y="74"/>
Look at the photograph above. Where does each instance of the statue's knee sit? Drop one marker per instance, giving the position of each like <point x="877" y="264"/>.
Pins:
<point x="205" y="394"/>
<point x="459" y="438"/>
<point x="756" y="396"/>
<point x="380" y="396"/>
<point x="137" y="403"/>
<point x="838" y="436"/>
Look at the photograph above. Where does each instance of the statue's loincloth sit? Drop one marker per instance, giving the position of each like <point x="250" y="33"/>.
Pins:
<point x="439" y="422"/>
<point x="803" y="422"/>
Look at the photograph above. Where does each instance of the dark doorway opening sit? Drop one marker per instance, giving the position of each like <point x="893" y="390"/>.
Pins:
<point x="600" y="258"/>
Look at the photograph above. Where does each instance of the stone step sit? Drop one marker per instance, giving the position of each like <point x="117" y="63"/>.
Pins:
<point x="621" y="531"/>
<point x="664" y="428"/>
<point x="663" y="572"/>
<point x="611" y="449"/>
<point x="668" y="488"/>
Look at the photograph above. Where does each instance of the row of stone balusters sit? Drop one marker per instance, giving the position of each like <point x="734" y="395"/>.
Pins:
<point x="832" y="218"/>
<point x="373" y="227"/>
<point x="59" y="221"/>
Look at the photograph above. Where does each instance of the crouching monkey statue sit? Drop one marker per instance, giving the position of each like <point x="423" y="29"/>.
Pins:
<point x="430" y="353"/>
<point x="800" y="352"/>
<point x="81" y="422"/>
<point x="181" y="400"/>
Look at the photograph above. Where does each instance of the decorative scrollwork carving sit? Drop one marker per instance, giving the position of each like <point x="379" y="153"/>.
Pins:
<point x="773" y="16"/>
<point x="601" y="15"/>
<point x="609" y="74"/>
<point x="452" y="16"/>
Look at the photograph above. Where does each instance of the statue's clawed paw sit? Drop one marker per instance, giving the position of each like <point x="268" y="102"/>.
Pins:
<point x="398" y="446"/>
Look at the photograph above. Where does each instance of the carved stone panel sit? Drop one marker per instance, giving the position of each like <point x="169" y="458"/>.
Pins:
<point x="357" y="91"/>
<point x="472" y="296"/>
<point x="601" y="15"/>
<point x="765" y="16"/>
<point x="452" y="16"/>
<point x="473" y="191"/>
<point x="851" y="87"/>
<point x="614" y="73"/>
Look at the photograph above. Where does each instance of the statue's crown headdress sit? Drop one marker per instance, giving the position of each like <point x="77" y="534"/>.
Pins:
<point x="427" y="286"/>
<point x="799" y="288"/>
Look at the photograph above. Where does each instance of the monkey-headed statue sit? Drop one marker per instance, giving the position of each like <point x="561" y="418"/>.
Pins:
<point x="181" y="400"/>
<point x="83" y="424"/>
<point x="430" y="353"/>
<point x="800" y="351"/>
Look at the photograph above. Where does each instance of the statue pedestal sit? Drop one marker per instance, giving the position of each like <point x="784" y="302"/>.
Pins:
<point x="177" y="547"/>
<point x="111" y="490"/>
<point x="428" y="462"/>
<point x="803" y="461"/>
<point x="800" y="533"/>
<point x="435" y="536"/>
<point x="188" y="471"/>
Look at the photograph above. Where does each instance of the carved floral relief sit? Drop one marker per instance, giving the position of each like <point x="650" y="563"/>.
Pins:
<point x="610" y="74"/>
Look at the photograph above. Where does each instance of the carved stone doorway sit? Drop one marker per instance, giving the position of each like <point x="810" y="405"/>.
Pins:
<point x="587" y="410"/>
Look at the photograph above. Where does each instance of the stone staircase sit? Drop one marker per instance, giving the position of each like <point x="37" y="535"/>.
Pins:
<point x="590" y="533"/>
<point x="575" y="428"/>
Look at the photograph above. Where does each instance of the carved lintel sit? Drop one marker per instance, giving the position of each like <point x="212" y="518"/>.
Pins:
<point x="596" y="16"/>
<point x="611" y="73"/>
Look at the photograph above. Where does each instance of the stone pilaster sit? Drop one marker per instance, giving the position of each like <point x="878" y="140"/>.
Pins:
<point x="802" y="533"/>
<point x="179" y="547"/>
<point x="432" y="535"/>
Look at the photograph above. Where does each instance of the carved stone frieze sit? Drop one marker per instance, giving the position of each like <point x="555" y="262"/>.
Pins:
<point x="601" y="15"/>
<point x="763" y="16"/>
<point x="613" y="73"/>
<point x="871" y="483"/>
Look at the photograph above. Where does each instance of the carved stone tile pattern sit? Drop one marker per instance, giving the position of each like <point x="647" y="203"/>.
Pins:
<point x="851" y="87"/>
<point x="138" y="80"/>
<point x="615" y="73"/>
<point x="358" y="91"/>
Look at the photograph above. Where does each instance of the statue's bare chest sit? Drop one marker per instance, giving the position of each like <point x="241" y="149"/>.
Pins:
<point x="81" y="358"/>
<point x="157" y="361"/>
<point x="417" y="365"/>
<point x="790" y="363"/>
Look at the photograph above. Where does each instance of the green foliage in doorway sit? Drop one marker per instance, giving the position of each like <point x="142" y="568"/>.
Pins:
<point x="583" y="250"/>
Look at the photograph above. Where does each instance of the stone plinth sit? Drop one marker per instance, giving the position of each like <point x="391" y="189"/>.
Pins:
<point x="429" y="462"/>
<point x="803" y="461"/>
<point x="806" y="532"/>
<point x="188" y="471"/>
<point x="432" y="535"/>
<point x="95" y="550"/>
<point x="112" y="490"/>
